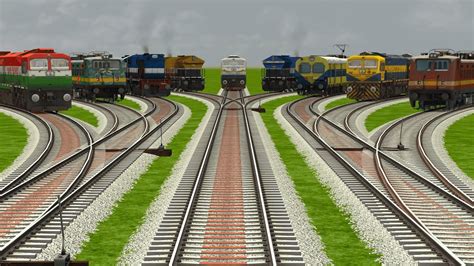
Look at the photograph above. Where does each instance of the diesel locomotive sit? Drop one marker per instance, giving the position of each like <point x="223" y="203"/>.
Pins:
<point x="374" y="76"/>
<point x="324" y="75"/>
<point x="233" y="72"/>
<point x="185" y="72"/>
<point x="146" y="75"/>
<point x="37" y="80"/>
<point x="278" y="73"/>
<point x="98" y="75"/>
<point x="441" y="78"/>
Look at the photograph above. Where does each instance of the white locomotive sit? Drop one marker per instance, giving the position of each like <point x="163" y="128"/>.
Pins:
<point x="233" y="72"/>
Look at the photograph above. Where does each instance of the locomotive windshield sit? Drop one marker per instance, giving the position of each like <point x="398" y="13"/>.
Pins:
<point x="59" y="63"/>
<point x="106" y="64"/>
<point x="318" y="68"/>
<point x="354" y="63"/>
<point x="370" y="64"/>
<point x="427" y="65"/>
<point x="305" y="68"/>
<point x="39" y="63"/>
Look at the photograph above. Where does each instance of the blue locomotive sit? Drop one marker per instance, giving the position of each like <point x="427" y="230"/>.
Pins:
<point x="279" y="73"/>
<point x="146" y="75"/>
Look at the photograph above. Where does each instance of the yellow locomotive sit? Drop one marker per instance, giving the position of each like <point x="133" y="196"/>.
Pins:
<point x="373" y="76"/>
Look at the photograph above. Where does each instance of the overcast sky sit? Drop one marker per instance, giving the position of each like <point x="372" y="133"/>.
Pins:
<point x="254" y="29"/>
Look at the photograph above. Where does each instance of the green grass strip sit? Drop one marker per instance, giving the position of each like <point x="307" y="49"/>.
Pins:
<point x="342" y="245"/>
<point x="388" y="113"/>
<point x="459" y="141"/>
<point x="254" y="80"/>
<point x="129" y="103"/>
<point x="107" y="242"/>
<point x="14" y="137"/>
<point x="82" y="114"/>
<point x="213" y="80"/>
<point x="339" y="102"/>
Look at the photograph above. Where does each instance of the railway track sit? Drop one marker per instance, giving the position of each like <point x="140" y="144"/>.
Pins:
<point x="426" y="220"/>
<point x="227" y="208"/>
<point x="87" y="179"/>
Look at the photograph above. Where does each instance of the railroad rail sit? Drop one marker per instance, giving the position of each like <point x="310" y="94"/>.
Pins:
<point x="80" y="193"/>
<point x="220" y="213"/>
<point x="419" y="241"/>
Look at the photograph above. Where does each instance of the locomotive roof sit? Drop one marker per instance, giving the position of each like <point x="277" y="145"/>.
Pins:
<point x="451" y="57"/>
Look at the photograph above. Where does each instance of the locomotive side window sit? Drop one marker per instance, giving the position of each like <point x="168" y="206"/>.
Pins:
<point x="114" y="64"/>
<point x="354" y="64"/>
<point x="423" y="65"/>
<point x="305" y="68"/>
<point x="39" y="64"/>
<point x="318" y="68"/>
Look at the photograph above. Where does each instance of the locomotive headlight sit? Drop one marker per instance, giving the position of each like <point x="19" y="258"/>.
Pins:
<point x="121" y="90"/>
<point x="349" y="89"/>
<point x="242" y="82"/>
<point x="185" y="82"/>
<point x="373" y="89"/>
<point x="96" y="90"/>
<point x="320" y="86"/>
<point x="280" y="83"/>
<point x="146" y="86"/>
<point x="67" y="97"/>
<point x="263" y="82"/>
<point x="167" y="86"/>
<point x="300" y="86"/>
<point x="35" y="98"/>
<point x="224" y="82"/>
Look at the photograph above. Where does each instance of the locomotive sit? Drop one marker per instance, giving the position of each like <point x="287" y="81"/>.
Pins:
<point x="37" y="80"/>
<point x="323" y="75"/>
<point x="146" y="75"/>
<point x="441" y="78"/>
<point x="185" y="72"/>
<point x="233" y="72"/>
<point x="98" y="75"/>
<point x="373" y="76"/>
<point x="279" y="73"/>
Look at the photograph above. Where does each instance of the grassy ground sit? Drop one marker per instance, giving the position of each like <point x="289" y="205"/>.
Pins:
<point x="14" y="138"/>
<point x="129" y="103"/>
<point x="339" y="102"/>
<point x="107" y="242"/>
<point x="459" y="142"/>
<point x="82" y="114"/>
<point x="342" y="245"/>
<point x="213" y="80"/>
<point x="387" y="114"/>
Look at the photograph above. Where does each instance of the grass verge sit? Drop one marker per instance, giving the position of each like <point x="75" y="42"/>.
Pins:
<point x="459" y="142"/>
<point x="387" y="114"/>
<point x="107" y="242"/>
<point x="254" y="80"/>
<point x="14" y="136"/>
<point x="129" y="103"/>
<point x="82" y="114"/>
<point x="342" y="245"/>
<point x="339" y="102"/>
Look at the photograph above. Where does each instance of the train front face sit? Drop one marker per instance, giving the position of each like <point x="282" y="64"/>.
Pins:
<point x="364" y="75"/>
<point x="107" y="78"/>
<point x="48" y="82"/>
<point x="310" y="74"/>
<point x="433" y="81"/>
<point x="278" y="74"/>
<point x="233" y="73"/>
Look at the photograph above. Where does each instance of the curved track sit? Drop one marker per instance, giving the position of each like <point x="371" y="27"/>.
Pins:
<point x="393" y="185"/>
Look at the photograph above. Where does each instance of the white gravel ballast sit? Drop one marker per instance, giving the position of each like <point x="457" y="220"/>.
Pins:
<point x="135" y="251"/>
<point x="366" y="226"/>
<point x="86" y="223"/>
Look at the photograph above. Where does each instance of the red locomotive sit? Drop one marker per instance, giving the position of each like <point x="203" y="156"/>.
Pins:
<point x="442" y="78"/>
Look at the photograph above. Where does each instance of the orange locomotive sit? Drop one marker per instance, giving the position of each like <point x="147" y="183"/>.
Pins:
<point x="442" y="78"/>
